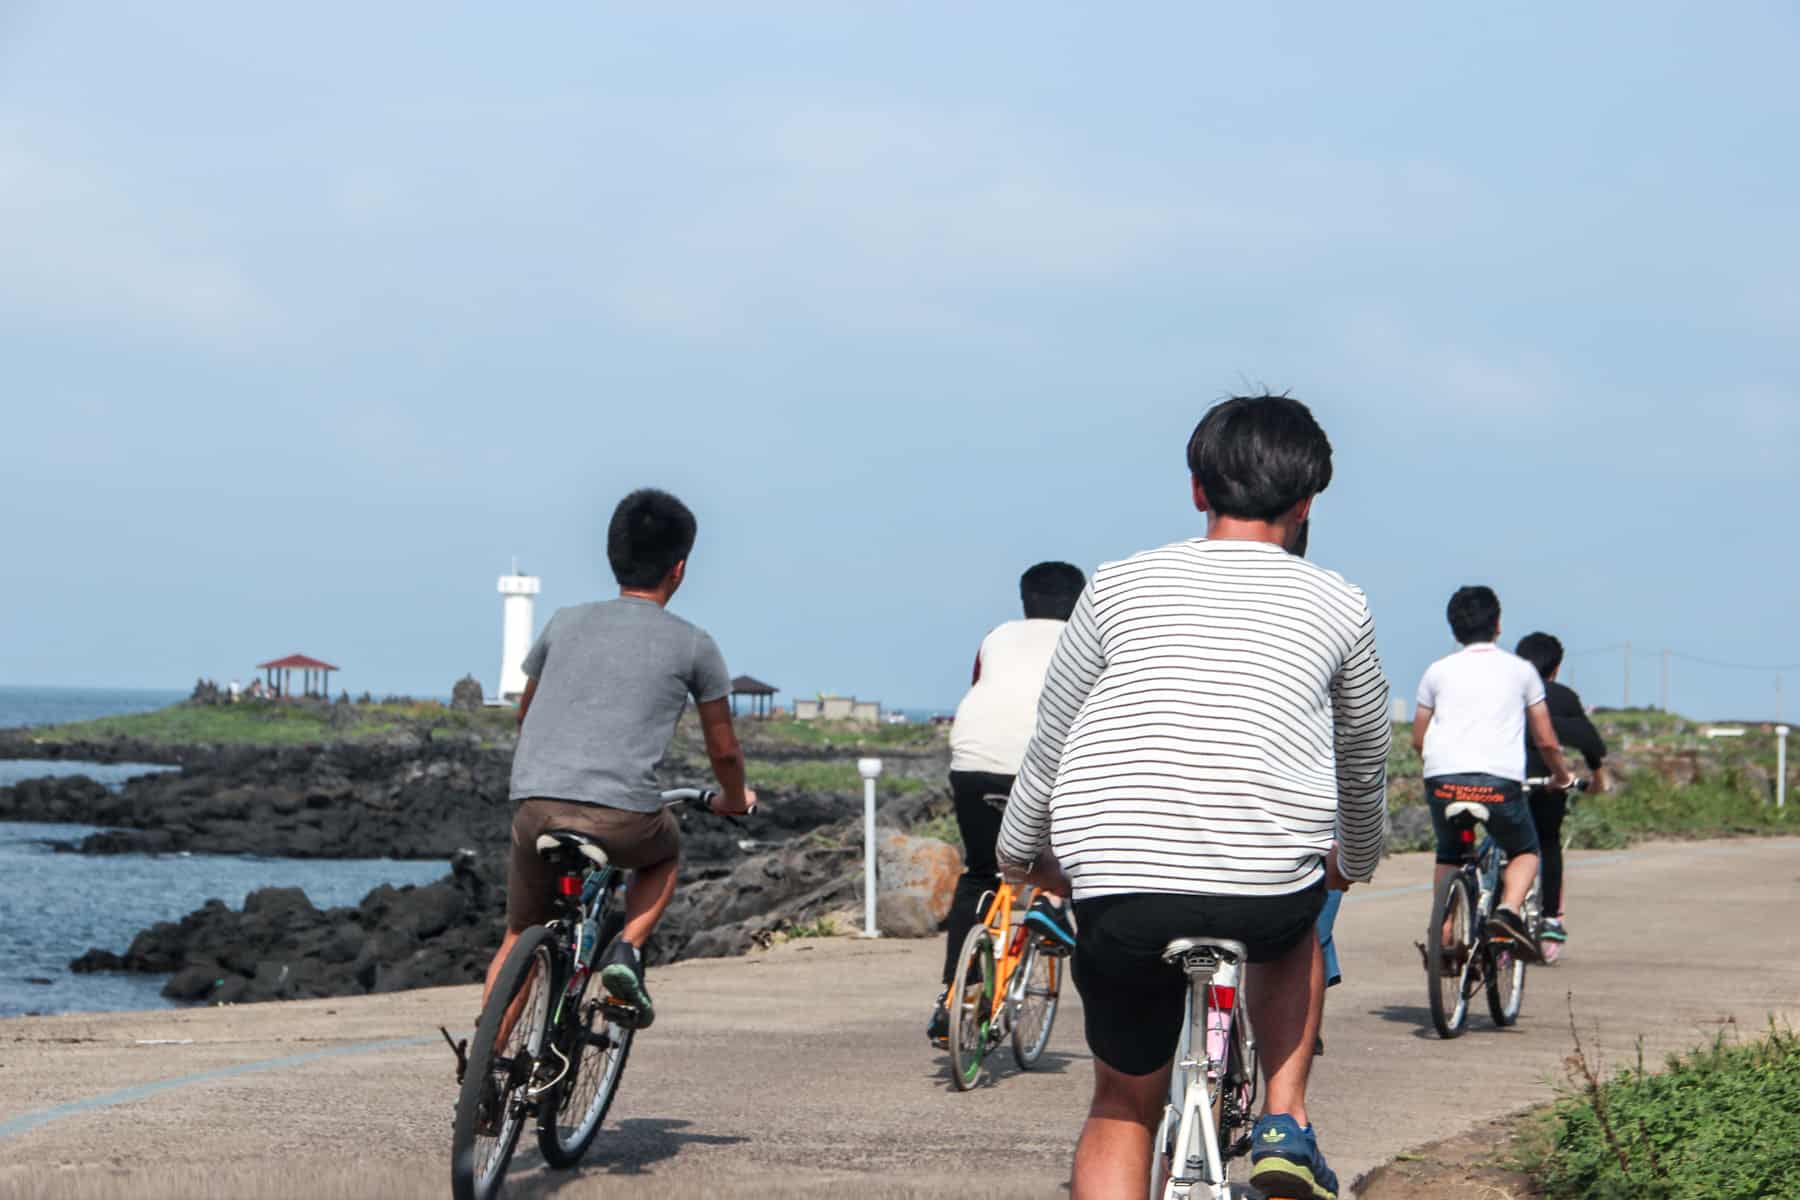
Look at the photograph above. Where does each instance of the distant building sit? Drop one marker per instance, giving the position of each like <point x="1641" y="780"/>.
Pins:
<point x="517" y="592"/>
<point x="838" y="708"/>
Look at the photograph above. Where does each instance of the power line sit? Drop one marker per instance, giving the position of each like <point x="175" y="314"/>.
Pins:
<point x="1731" y="666"/>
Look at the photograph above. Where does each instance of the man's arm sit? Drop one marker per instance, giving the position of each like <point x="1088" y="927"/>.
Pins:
<point x="727" y="757"/>
<point x="525" y="700"/>
<point x="1074" y="668"/>
<point x="1421" y="722"/>
<point x="1362" y="733"/>
<point x="1543" y="732"/>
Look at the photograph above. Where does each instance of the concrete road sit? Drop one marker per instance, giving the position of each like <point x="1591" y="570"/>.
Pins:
<point x="804" y="1071"/>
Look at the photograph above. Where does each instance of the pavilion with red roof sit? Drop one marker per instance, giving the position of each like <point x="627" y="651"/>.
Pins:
<point x="312" y="671"/>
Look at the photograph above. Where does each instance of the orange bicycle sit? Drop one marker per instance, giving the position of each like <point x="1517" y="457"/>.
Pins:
<point x="1008" y="978"/>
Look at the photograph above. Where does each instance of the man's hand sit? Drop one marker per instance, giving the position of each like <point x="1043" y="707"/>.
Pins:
<point x="1335" y="880"/>
<point x="723" y="805"/>
<point x="1561" y="780"/>
<point x="1602" y="781"/>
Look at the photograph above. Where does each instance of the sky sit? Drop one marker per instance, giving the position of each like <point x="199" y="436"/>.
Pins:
<point x="313" y="319"/>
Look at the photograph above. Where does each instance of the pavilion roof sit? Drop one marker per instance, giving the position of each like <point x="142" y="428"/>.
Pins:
<point x="296" y="662"/>
<point x="749" y="685"/>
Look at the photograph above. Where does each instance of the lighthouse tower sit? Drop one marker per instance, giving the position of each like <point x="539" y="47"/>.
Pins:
<point x="516" y="602"/>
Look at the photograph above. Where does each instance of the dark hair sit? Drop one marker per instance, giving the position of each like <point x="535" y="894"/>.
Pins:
<point x="1542" y="651"/>
<point x="1050" y="589"/>
<point x="1258" y="456"/>
<point x="1474" y="614"/>
<point x="649" y="533"/>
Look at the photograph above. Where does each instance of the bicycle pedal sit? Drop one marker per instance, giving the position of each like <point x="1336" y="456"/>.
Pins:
<point x="622" y="1013"/>
<point x="460" y="1049"/>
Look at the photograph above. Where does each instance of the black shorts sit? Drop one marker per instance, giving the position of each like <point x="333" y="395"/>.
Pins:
<point x="1133" y="999"/>
<point x="1509" y="817"/>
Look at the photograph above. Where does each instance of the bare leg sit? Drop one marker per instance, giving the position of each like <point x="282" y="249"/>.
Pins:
<point x="493" y="973"/>
<point x="1113" y="1156"/>
<point x="647" y="894"/>
<point x="1287" y="998"/>
<point x="1441" y="873"/>
<point x="1515" y="882"/>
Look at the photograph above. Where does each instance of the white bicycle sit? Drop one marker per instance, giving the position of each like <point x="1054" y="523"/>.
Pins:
<point x="1212" y="1089"/>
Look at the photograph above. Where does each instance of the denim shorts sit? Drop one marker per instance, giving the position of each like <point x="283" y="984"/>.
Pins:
<point x="1509" y="817"/>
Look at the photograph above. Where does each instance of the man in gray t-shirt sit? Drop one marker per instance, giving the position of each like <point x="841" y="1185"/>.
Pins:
<point x="606" y="684"/>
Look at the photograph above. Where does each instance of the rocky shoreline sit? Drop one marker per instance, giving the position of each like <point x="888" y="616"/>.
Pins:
<point x="446" y="798"/>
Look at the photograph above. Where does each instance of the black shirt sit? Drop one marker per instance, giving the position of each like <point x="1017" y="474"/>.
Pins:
<point x="1572" y="729"/>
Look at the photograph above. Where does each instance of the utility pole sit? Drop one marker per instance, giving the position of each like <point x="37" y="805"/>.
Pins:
<point x="1627" y="675"/>
<point x="1778" y="696"/>
<point x="1665" y="681"/>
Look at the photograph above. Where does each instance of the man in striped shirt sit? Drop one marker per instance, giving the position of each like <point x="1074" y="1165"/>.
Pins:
<point x="1210" y="756"/>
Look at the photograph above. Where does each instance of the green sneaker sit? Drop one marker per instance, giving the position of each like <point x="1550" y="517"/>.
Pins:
<point x="622" y="974"/>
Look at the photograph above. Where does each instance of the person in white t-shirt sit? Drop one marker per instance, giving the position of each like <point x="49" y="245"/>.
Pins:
<point x="1473" y="711"/>
<point x="993" y="725"/>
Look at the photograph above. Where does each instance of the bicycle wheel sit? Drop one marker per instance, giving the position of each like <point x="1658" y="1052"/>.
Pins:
<point x="1448" y="968"/>
<point x="1034" y="1004"/>
<point x="570" y="1116"/>
<point x="1506" y="970"/>
<point x="971" y="1008"/>
<point x="492" y="1107"/>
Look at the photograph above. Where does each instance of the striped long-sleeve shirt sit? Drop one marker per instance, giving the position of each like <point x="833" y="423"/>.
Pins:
<point x="1214" y="717"/>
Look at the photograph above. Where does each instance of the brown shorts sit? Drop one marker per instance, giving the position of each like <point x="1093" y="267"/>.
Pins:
<point x="631" y="839"/>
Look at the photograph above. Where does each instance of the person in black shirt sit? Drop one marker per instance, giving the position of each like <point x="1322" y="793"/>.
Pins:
<point x="1548" y="807"/>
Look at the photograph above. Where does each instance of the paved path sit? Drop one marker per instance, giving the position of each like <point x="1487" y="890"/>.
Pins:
<point x="804" y="1071"/>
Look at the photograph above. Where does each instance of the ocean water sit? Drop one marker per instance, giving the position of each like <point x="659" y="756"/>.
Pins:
<point x="54" y="907"/>
<point x="55" y="705"/>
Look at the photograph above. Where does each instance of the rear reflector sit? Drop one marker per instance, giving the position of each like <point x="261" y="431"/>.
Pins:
<point x="1222" y="997"/>
<point x="1468" y="837"/>
<point x="569" y="885"/>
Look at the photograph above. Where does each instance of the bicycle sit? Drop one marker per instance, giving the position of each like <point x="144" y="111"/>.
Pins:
<point x="543" y="1046"/>
<point x="1212" y="1099"/>
<point x="1012" y="991"/>
<point x="1475" y="958"/>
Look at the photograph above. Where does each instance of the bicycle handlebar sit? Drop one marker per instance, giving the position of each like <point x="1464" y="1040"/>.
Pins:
<point x="700" y="798"/>
<point x="1543" y="781"/>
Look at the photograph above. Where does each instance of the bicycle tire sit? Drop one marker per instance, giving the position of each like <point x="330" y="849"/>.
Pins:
<point x="1506" y="970"/>
<point x="603" y="1053"/>
<point x="971" y="1004"/>
<point x="1446" y="982"/>
<point x="1030" y="1034"/>
<point x="532" y="964"/>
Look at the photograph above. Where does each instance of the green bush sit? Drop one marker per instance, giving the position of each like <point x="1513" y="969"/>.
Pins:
<point x="1722" y="1122"/>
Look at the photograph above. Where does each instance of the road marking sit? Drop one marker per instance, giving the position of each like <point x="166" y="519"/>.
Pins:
<point x="32" y="1120"/>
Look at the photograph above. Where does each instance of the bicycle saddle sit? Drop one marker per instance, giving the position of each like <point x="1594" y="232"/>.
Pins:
<point x="554" y="840"/>
<point x="1209" y="951"/>
<point x="1469" y="809"/>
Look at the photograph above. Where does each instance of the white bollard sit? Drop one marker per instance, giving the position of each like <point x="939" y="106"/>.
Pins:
<point x="870" y="770"/>
<point x="1781" y="732"/>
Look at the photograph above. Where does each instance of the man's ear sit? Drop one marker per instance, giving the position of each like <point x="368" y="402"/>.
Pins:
<point x="1199" y="495"/>
<point x="677" y="573"/>
<point x="1300" y="511"/>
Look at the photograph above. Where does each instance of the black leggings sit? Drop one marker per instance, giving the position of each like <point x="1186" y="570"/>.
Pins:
<point x="1547" y="811"/>
<point x="979" y="822"/>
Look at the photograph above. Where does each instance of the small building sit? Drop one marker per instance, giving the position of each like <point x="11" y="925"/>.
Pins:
<point x="761" y="695"/>
<point x="838" y="708"/>
<point x="315" y="676"/>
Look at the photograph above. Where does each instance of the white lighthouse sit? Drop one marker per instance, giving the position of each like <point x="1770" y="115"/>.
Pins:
<point x="516" y="592"/>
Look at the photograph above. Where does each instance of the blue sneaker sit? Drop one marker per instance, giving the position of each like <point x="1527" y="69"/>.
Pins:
<point x="1285" y="1162"/>
<point x="1052" y="920"/>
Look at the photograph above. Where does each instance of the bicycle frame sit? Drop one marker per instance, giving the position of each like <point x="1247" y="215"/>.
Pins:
<point x="1195" y="1163"/>
<point x="1009" y="946"/>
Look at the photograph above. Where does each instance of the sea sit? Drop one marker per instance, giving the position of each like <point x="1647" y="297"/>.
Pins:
<point x="55" y="906"/>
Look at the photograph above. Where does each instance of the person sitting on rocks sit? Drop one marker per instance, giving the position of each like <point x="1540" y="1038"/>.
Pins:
<point x="987" y="743"/>
<point x="606" y="684"/>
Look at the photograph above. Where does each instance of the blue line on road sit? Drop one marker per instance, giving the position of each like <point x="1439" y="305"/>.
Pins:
<point x="32" y="1120"/>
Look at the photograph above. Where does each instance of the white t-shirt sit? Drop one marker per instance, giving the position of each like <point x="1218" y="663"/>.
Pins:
<point x="1478" y="697"/>
<point x="995" y="720"/>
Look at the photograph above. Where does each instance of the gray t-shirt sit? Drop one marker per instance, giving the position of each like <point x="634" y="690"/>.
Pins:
<point x="612" y="679"/>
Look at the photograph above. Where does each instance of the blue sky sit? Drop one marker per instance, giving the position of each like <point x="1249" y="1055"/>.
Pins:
<point x="311" y="320"/>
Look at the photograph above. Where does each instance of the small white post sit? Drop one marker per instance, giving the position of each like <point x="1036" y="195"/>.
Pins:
<point x="1781" y="732"/>
<point x="870" y="770"/>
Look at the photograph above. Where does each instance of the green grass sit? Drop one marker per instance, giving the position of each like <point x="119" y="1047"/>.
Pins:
<point x="269" y="723"/>
<point x="942" y="826"/>
<point x="809" y="775"/>
<point x="1651" y="807"/>
<point x="838" y="735"/>
<point x="1723" y="1121"/>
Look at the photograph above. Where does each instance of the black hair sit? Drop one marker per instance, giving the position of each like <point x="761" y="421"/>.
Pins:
<point x="1258" y="456"/>
<point x="649" y="533"/>
<point x="1050" y="589"/>
<point x="1542" y="651"/>
<point x="1474" y="614"/>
